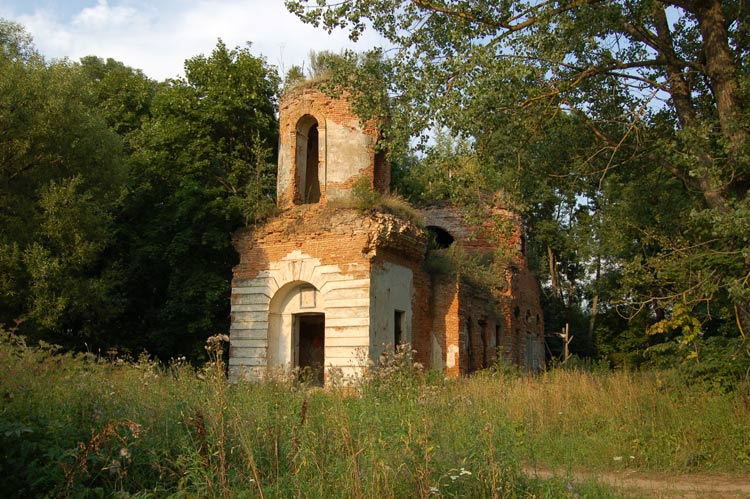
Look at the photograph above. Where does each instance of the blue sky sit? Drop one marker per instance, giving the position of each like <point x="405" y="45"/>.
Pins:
<point x="158" y="35"/>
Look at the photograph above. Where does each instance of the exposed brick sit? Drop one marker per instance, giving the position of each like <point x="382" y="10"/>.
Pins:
<point x="455" y="325"/>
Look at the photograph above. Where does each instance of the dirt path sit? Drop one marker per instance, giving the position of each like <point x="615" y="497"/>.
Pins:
<point x="663" y="486"/>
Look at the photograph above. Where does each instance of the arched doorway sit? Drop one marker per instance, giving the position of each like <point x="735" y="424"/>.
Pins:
<point x="296" y="330"/>
<point x="307" y="158"/>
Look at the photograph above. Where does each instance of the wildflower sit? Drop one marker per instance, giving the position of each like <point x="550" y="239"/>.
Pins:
<point x="214" y="343"/>
<point x="125" y="453"/>
<point x="113" y="467"/>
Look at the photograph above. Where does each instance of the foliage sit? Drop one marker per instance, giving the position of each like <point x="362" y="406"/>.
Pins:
<point x="122" y="95"/>
<point x="119" y="195"/>
<point x="476" y="269"/>
<point x="83" y="425"/>
<point x="620" y="128"/>
<point x="201" y="167"/>
<point x="62" y="173"/>
<point x="365" y="199"/>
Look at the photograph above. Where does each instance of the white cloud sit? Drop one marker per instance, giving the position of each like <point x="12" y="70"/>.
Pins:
<point x="102" y="16"/>
<point x="159" y="36"/>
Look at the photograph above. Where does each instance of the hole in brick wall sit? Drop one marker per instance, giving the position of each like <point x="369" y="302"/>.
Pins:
<point x="439" y="237"/>
<point x="312" y="184"/>
<point x="381" y="175"/>
<point x="485" y="342"/>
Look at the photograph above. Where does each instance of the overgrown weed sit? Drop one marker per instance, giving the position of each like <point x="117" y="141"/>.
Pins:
<point x="83" y="426"/>
<point x="365" y="198"/>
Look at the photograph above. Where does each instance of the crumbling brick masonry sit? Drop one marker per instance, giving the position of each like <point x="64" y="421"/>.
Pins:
<point x="326" y="287"/>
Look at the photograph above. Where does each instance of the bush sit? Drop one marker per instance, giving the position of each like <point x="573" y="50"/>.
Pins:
<point x="366" y="199"/>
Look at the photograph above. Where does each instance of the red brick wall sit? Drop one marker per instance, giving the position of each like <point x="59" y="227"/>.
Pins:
<point x="335" y="237"/>
<point x="446" y="320"/>
<point x="480" y="310"/>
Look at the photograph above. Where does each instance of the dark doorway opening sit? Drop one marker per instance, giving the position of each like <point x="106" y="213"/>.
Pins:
<point x="485" y="343"/>
<point x="312" y="184"/>
<point x="311" y="354"/>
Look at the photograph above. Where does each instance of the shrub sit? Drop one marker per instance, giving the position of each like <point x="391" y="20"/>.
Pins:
<point x="366" y="199"/>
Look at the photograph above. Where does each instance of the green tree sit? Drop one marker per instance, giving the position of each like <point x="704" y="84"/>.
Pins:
<point x="122" y="94"/>
<point x="632" y="115"/>
<point x="61" y="175"/>
<point x="202" y="165"/>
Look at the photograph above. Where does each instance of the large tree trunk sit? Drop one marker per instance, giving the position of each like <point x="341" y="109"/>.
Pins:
<point x="722" y="73"/>
<point x="712" y="191"/>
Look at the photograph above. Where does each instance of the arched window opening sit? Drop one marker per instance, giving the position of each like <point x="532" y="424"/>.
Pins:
<point x="312" y="184"/>
<point x="439" y="237"/>
<point x="307" y="160"/>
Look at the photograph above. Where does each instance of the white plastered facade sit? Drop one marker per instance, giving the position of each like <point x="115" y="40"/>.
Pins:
<point x="262" y="333"/>
<point x="391" y="289"/>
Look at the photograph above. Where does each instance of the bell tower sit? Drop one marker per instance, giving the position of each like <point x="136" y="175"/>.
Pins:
<point x="324" y="149"/>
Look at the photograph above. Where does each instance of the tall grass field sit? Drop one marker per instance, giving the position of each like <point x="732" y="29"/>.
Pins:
<point x="97" y="426"/>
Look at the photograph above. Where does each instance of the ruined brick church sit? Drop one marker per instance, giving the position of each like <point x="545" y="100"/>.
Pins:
<point x="324" y="286"/>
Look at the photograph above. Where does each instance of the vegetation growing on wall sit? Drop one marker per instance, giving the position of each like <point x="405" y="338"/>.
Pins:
<point x="618" y="128"/>
<point x="628" y="161"/>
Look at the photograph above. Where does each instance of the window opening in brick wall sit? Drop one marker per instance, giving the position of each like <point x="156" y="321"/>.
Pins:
<point x="485" y="343"/>
<point x="529" y="351"/>
<point x="382" y="176"/>
<point x="307" y="158"/>
<point x="499" y="341"/>
<point x="312" y="184"/>
<point x="398" y="327"/>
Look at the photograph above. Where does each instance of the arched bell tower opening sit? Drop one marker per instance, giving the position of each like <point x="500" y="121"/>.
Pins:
<point x="307" y="159"/>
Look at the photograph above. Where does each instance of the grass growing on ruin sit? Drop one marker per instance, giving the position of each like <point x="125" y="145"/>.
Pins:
<point x="87" y="426"/>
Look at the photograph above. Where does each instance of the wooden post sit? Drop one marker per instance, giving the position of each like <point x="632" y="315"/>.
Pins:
<point x="565" y="335"/>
